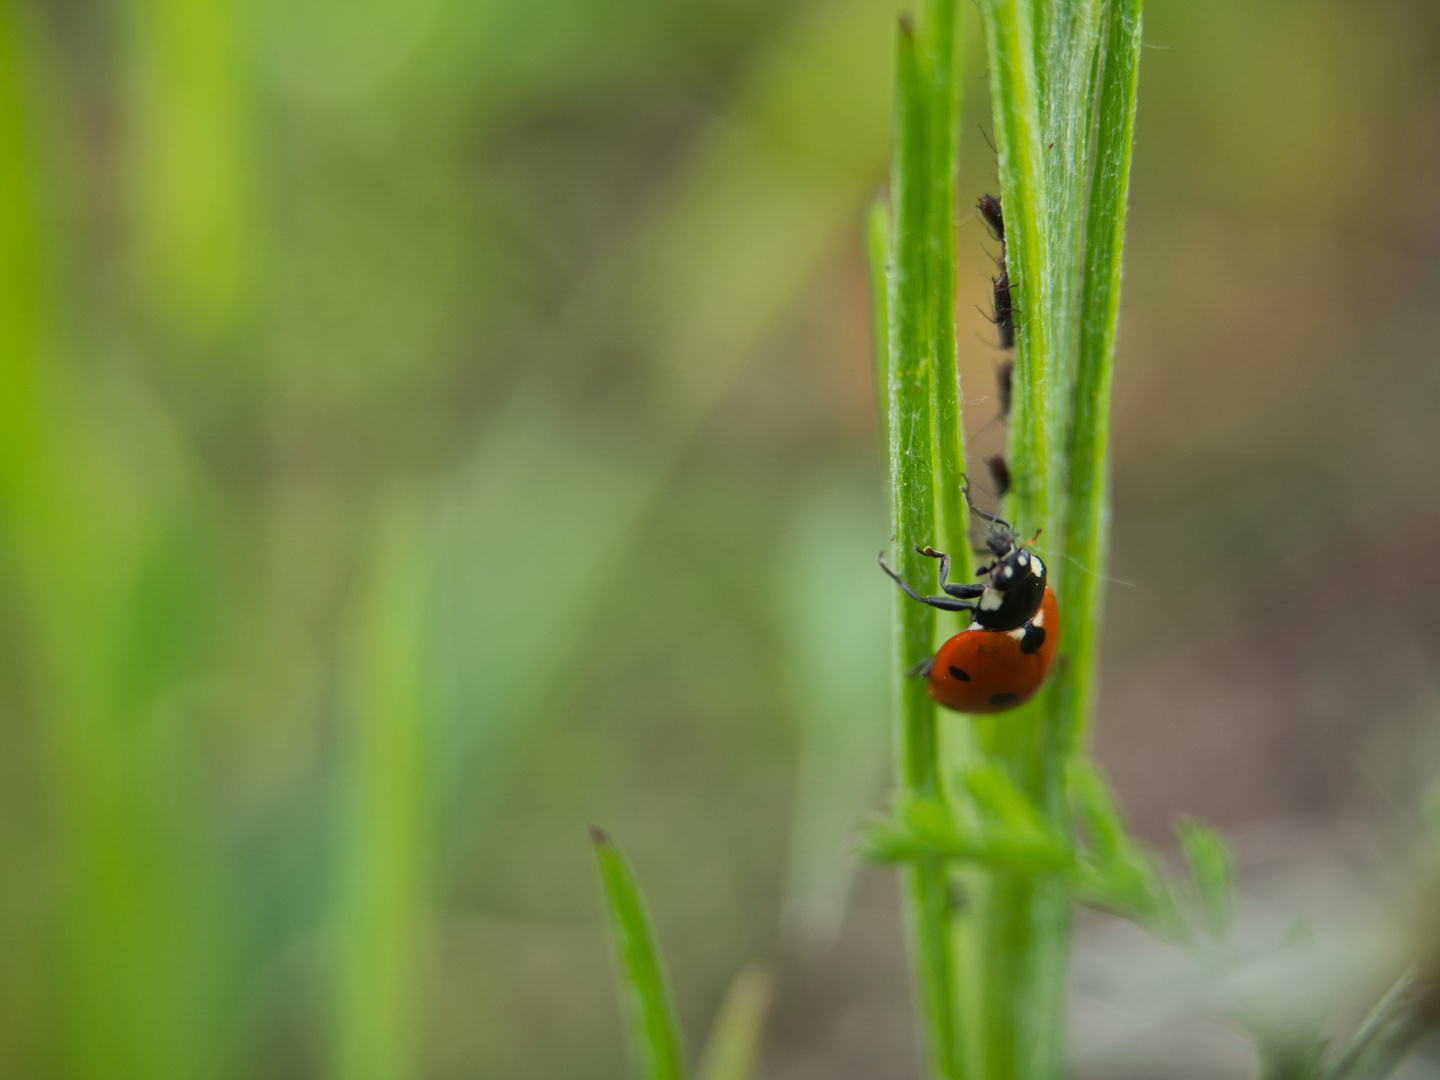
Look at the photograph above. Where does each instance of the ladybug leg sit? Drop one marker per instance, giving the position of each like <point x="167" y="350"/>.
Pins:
<point x="942" y="556"/>
<point x="966" y="592"/>
<point x="944" y="603"/>
<point x="983" y="515"/>
<point x="922" y="669"/>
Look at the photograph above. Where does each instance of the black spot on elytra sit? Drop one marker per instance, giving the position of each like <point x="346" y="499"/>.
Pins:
<point x="956" y="673"/>
<point x="1032" y="639"/>
<point x="1003" y="699"/>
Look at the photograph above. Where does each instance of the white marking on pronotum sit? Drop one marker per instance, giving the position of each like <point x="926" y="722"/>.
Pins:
<point x="990" y="599"/>
<point x="1036" y="566"/>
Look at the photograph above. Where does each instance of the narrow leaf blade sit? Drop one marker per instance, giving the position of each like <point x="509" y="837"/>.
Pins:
<point x="654" y="1035"/>
<point x="735" y="1040"/>
<point x="912" y="493"/>
<point x="1209" y="861"/>
<point x="1086" y="520"/>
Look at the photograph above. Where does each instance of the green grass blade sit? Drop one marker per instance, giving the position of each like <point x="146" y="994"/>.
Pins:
<point x="913" y="491"/>
<point x="910" y="421"/>
<point x="195" y="229"/>
<point x="20" y="278"/>
<point x="941" y="68"/>
<point x="1014" y="88"/>
<point x="911" y="449"/>
<point x="1067" y="55"/>
<point x="385" y="811"/>
<point x="1085" y="523"/>
<point x="735" y="1040"/>
<point x="654" y="1035"/>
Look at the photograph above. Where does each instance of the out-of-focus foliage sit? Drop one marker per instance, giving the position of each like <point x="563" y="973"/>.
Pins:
<point x="353" y="358"/>
<point x="426" y="428"/>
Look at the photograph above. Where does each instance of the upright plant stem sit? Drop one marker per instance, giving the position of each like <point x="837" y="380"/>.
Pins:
<point x="1049" y="75"/>
<point x="1063" y="81"/>
<point x="1017" y="1019"/>
<point x="939" y="40"/>
<point x="1092" y="55"/>
<point x="912" y="363"/>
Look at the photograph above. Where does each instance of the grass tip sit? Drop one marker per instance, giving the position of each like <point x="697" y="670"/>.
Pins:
<point x="599" y="837"/>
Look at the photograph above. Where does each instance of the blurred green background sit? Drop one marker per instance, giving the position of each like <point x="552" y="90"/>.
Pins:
<point x="428" y="427"/>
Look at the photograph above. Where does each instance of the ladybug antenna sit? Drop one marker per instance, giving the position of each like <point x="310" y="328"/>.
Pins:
<point x="1098" y="576"/>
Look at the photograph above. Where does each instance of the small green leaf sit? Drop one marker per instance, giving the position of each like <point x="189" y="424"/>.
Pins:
<point x="1133" y="886"/>
<point x="921" y="830"/>
<point x="654" y="1034"/>
<point x="998" y="797"/>
<point x="1097" y="809"/>
<point x="1120" y="875"/>
<point x="926" y="830"/>
<point x="735" y="1039"/>
<point x="1209" y="861"/>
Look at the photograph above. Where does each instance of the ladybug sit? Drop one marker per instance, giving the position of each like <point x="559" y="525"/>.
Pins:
<point x="1002" y="658"/>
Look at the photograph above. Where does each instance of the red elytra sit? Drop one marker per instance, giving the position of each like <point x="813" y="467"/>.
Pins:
<point x="987" y="671"/>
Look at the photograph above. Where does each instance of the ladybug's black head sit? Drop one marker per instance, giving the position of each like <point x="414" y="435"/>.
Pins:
<point x="1000" y="539"/>
<point x="1016" y="587"/>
